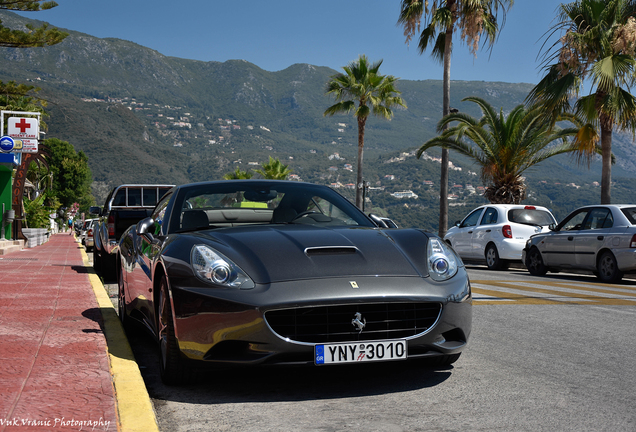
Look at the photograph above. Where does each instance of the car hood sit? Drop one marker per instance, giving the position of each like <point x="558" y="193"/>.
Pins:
<point x="295" y="252"/>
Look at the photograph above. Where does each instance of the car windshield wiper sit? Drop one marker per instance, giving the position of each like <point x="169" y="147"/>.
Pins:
<point x="530" y="223"/>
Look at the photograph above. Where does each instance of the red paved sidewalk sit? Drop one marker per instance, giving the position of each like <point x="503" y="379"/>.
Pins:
<point x="54" y="366"/>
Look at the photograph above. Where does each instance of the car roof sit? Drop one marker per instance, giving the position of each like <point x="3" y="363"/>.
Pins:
<point x="514" y="206"/>
<point x="618" y="206"/>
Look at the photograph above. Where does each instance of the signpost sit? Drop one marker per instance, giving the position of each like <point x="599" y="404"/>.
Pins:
<point x="22" y="135"/>
<point x="24" y="130"/>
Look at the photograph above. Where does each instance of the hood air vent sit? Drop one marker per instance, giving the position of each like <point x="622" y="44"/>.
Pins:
<point x="331" y="250"/>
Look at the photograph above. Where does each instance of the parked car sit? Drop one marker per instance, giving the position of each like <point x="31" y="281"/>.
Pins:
<point x="600" y="239"/>
<point x="496" y="234"/>
<point x="86" y="234"/>
<point x="89" y="239"/>
<point x="249" y="272"/>
<point x="125" y="206"/>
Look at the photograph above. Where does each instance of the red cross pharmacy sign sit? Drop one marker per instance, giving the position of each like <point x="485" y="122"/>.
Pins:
<point x="26" y="130"/>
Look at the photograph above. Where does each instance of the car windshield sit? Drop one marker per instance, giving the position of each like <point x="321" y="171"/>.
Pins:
<point x="531" y="217"/>
<point x="235" y="203"/>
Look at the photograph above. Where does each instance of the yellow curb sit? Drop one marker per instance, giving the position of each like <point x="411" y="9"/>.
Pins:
<point x="134" y="407"/>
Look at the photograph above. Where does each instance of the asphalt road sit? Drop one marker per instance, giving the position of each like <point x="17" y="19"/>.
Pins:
<point x="553" y="353"/>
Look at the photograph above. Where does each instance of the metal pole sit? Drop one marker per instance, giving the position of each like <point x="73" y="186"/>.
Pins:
<point x="364" y="194"/>
<point x="2" y="223"/>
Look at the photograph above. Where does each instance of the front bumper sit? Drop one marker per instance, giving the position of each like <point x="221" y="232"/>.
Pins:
<point x="219" y="326"/>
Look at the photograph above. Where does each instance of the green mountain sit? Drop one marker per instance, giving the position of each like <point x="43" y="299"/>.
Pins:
<point x="143" y="117"/>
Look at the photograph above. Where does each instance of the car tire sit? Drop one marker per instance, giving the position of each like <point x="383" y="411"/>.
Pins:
<point x="492" y="259"/>
<point x="171" y="367"/>
<point x="97" y="261"/>
<point x="534" y="263"/>
<point x="109" y="267"/>
<point x="607" y="268"/>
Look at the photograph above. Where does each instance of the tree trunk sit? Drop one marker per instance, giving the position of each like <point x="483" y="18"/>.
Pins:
<point x="606" y="173"/>
<point x="359" y="181"/>
<point x="443" y="181"/>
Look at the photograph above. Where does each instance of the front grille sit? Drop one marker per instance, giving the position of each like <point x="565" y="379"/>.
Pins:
<point x="334" y="323"/>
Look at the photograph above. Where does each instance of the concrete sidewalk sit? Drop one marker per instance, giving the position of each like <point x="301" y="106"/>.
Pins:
<point x="65" y="363"/>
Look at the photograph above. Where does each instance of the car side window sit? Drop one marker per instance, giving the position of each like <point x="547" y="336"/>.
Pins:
<point x="120" y="198"/>
<point x="630" y="214"/>
<point x="490" y="216"/>
<point x="599" y="218"/>
<point x="575" y="221"/>
<point x="471" y="219"/>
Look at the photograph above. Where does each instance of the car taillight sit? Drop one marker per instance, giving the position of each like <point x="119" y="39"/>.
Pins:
<point x="506" y="231"/>
<point x="111" y="226"/>
<point x="632" y="244"/>
<point x="90" y="232"/>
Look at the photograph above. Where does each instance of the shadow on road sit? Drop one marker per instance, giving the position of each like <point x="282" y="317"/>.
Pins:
<point x="278" y="383"/>
<point x="585" y="277"/>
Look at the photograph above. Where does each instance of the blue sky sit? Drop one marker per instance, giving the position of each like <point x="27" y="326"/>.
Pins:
<point x="275" y="34"/>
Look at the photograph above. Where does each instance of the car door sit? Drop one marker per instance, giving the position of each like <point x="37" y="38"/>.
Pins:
<point x="483" y="232"/>
<point x="140" y="282"/>
<point x="558" y="248"/>
<point x="463" y="239"/>
<point x="592" y="236"/>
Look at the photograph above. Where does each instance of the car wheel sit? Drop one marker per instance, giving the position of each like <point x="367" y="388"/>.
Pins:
<point x="121" y="301"/>
<point x="534" y="263"/>
<point x="172" y="370"/>
<point x="492" y="259"/>
<point x="608" y="268"/>
<point x="109" y="267"/>
<point x="97" y="261"/>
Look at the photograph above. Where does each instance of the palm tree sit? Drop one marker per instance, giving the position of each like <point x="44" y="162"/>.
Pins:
<point x="599" y="46"/>
<point x="274" y="170"/>
<point x="373" y="92"/>
<point x="238" y="175"/>
<point x="504" y="147"/>
<point x="474" y="18"/>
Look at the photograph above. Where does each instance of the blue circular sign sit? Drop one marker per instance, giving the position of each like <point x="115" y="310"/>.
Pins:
<point x="6" y="143"/>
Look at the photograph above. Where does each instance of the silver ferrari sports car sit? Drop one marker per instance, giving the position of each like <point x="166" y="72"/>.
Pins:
<point x="250" y="272"/>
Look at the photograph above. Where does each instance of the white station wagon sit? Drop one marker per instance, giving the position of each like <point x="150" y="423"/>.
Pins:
<point x="497" y="233"/>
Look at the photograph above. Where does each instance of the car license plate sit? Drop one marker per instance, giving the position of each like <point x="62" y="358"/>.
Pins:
<point x="360" y="352"/>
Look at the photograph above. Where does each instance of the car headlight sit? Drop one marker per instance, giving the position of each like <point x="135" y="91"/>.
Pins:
<point x="212" y="266"/>
<point x="442" y="261"/>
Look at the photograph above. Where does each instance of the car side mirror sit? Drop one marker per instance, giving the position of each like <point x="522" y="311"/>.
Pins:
<point x="143" y="230"/>
<point x="378" y="221"/>
<point x="552" y="227"/>
<point x="457" y="223"/>
<point x="390" y="223"/>
<point x="95" y="210"/>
